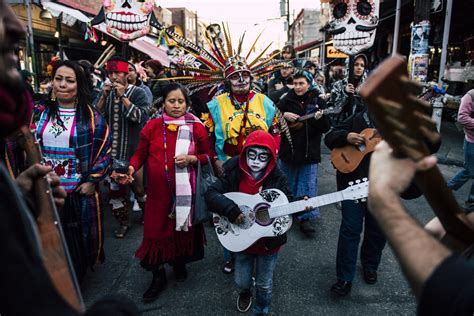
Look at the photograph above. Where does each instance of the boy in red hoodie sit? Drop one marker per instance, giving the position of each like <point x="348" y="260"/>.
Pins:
<point x="254" y="170"/>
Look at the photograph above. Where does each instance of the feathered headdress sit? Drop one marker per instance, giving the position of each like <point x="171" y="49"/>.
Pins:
<point x="220" y="59"/>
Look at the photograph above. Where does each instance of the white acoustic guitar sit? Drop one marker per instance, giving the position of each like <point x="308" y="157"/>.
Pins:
<point x="267" y="214"/>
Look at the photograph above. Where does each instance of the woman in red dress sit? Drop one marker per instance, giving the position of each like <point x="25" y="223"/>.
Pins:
<point x="171" y="146"/>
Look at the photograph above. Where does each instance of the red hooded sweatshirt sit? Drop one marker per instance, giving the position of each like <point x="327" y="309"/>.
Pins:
<point x="251" y="186"/>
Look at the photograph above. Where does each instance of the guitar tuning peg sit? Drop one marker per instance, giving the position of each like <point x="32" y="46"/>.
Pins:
<point x="351" y="182"/>
<point x="356" y="201"/>
<point x="364" y="200"/>
<point x="365" y="179"/>
<point x="357" y="181"/>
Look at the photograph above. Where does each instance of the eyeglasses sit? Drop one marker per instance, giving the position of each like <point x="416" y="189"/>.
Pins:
<point x="262" y="157"/>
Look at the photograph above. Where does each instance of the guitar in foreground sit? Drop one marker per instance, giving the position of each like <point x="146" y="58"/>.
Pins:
<point x="404" y="122"/>
<point x="267" y="214"/>
<point x="54" y="250"/>
<point x="346" y="159"/>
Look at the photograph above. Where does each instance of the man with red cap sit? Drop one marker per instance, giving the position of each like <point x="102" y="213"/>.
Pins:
<point x="126" y="108"/>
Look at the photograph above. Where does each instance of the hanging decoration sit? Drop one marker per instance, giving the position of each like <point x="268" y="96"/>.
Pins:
<point x="211" y="64"/>
<point x="353" y="24"/>
<point x="127" y="19"/>
<point x="90" y="34"/>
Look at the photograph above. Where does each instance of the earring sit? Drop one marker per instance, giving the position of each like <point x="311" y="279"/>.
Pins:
<point x="53" y="96"/>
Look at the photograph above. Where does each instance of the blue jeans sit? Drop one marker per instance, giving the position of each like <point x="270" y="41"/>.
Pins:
<point x="467" y="173"/>
<point x="349" y="237"/>
<point x="265" y="265"/>
<point x="302" y="181"/>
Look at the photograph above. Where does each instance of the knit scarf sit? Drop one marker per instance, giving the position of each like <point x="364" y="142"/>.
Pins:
<point x="185" y="177"/>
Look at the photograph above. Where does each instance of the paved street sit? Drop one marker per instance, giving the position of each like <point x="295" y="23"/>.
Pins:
<point x="305" y="271"/>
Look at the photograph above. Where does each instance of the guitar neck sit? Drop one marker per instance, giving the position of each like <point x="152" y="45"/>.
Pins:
<point x="298" y="206"/>
<point x="311" y="115"/>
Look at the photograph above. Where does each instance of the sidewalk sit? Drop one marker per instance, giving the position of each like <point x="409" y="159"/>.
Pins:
<point x="451" y="151"/>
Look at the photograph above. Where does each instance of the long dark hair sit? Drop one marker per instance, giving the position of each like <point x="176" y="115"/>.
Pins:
<point x="83" y="89"/>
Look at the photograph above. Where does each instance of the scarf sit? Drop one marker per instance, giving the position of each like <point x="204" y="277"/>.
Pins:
<point x="185" y="177"/>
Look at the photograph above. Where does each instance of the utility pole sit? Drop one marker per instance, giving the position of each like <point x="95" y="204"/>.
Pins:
<point x="396" y="30"/>
<point x="288" y="21"/>
<point x="444" y="50"/>
<point x="30" y="44"/>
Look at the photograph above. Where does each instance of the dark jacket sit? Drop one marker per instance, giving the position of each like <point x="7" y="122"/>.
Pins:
<point x="341" y="100"/>
<point x="234" y="178"/>
<point x="307" y="139"/>
<point x="157" y="86"/>
<point x="337" y="137"/>
<point x="275" y="94"/>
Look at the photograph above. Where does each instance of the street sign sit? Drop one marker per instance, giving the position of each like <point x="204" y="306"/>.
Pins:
<point x="331" y="52"/>
<point x="436" y="6"/>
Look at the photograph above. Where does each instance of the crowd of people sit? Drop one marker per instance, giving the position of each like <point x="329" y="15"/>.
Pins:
<point x="109" y="141"/>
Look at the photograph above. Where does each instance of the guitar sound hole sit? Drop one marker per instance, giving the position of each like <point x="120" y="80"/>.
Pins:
<point x="261" y="214"/>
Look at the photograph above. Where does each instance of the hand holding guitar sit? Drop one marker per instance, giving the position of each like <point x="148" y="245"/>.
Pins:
<point x="318" y="115"/>
<point x="290" y="117"/>
<point x="26" y="179"/>
<point x="350" y="88"/>
<point x="240" y="219"/>
<point x="355" y="139"/>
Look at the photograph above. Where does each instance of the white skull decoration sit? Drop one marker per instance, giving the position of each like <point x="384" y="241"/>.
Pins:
<point x="353" y="24"/>
<point x="128" y="19"/>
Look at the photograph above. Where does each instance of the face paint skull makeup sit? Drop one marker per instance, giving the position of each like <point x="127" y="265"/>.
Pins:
<point x="128" y="19"/>
<point x="240" y="82"/>
<point x="257" y="160"/>
<point x="353" y="24"/>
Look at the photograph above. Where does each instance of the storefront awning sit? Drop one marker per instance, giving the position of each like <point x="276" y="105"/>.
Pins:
<point x="69" y="17"/>
<point x="145" y="44"/>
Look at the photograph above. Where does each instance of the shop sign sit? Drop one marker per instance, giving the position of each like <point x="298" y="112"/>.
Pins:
<point x="332" y="52"/>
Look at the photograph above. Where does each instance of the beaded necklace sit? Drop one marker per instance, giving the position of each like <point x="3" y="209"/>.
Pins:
<point x="172" y="212"/>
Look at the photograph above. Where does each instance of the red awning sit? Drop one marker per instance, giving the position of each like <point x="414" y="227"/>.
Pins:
<point x="146" y="46"/>
<point x="308" y="45"/>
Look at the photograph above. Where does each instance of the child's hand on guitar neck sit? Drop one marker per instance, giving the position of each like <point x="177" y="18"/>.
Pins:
<point x="355" y="138"/>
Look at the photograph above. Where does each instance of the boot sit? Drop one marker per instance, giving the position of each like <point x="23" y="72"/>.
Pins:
<point x="180" y="272"/>
<point x="157" y="285"/>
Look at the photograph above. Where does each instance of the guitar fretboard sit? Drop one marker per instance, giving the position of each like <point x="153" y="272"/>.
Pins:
<point x="298" y="206"/>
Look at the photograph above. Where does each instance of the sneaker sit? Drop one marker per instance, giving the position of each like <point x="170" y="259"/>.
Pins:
<point x="121" y="231"/>
<point x="244" y="301"/>
<point x="370" y="277"/>
<point x="307" y="227"/>
<point x="341" y="288"/>
<point x="228" y="267"/>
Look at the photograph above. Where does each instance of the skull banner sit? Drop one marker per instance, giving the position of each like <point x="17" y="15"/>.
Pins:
<point x="353" y="24"/>
<point x="128" y="19"/>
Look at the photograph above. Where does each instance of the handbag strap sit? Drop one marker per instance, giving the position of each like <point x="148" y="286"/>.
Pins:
<point x="211" y="169"/>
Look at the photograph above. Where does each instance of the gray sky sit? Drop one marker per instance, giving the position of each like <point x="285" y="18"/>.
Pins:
<point x="251" y="16"/>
